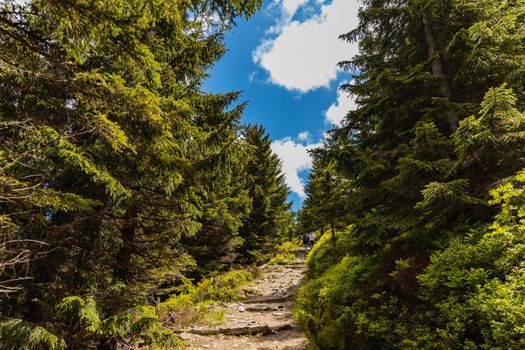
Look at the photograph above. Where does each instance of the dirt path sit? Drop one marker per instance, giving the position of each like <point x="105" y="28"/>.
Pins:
<point x="262" y="321"/>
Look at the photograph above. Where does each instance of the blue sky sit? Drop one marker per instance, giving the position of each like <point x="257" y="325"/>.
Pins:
<point x="284" y="60"/>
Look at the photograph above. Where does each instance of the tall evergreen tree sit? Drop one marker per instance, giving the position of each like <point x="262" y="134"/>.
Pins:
<point x="270" y="217"/>
<point x="326" y="198"/>
<point x="420" y="168"/>
<point x="215" y="246"/>
<point x="109" y="153"/>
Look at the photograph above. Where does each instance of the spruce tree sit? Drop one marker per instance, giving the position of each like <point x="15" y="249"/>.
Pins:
<point x="269" y="219"/>
<point x="325" y="205"/>
<point x="439" y="125"/>
<point x="110" y="151"/>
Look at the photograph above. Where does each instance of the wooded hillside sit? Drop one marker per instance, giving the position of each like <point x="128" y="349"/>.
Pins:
<point x="131" y="199"/>
<point x="120" y="179"/>
<point x="427" y="179"/>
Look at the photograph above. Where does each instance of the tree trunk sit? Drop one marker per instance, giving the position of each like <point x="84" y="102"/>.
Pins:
<point x="107" y="344"/>
<point x="333" y="239"/>
<point x="439" y="71"/>
<point x="123" y="267"/>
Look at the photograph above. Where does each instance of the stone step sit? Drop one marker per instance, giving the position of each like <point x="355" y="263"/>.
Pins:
<point x="295" y="267"/>
<point x="263" y="307"/>
<point x="241" y="330"/>
<point x="269" y="299"/>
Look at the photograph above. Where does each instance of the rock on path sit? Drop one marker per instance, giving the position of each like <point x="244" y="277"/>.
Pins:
<point x="261" y="322"/>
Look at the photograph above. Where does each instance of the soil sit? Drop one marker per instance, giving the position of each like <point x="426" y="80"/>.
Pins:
<point x="261" y="321"/>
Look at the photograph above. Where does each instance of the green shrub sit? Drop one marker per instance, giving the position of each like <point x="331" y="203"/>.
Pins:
<point x="322" y="256"/>
<point x="324" y="304"/>
<point x="282" y="259"/>
<point x="286" y="252"/>
<point x="181" y="311"/>
<point x="222" y="288"/>
<point x="291" y="247"/>
<point x="470" y="295"/>
<point x="475" y="288"/>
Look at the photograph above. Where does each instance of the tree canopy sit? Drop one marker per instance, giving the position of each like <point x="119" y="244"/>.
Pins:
<point x="112" y="160"/>
<point x="424" y="161"/>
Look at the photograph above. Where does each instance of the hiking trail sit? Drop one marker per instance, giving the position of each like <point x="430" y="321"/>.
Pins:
<point x="261" y="321"/>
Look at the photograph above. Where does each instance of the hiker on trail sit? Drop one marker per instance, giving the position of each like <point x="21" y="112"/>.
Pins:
<point x="311" y="239"/>
<point x="304" y="238"/>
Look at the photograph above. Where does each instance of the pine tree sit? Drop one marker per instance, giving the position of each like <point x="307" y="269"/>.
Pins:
<point x="110" y="151"/>
<point x="325" y="205"/>
<point x="268" y="220"/>
<point x="420" y="168"/>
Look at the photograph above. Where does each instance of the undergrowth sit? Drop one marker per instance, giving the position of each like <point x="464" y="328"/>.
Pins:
<point x="197" y="304"/>
<point x="286" y="252"/>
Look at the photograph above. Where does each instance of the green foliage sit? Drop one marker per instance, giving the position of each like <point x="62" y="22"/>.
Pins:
<point x="85" y="310"/>
<point x="326" y="305"/>
<point x="270" y="220"/>
<point x="144" y="327"/>
<point x="222" y="288"/>
<point x="20" y="335"/>
<point x="112" y="158"/>
<point x="496" y="135"/>
<point x="140" y="325"/>
<point x="326" y="199"/>
<point x="445" y="194"/>
<point x="282" y="259"/>
<point x="322" y="256"/>
<point x="193" y="304"/>
<point x="425" y="167"/>
<point x="475" y="284"/>
<point x="286" y="252"/>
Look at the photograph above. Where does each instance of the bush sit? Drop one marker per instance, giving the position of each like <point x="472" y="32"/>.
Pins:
<point x="282" y="259"/>
<point x="325" y="304"/>
<point x="321" y="256"/>
<point x="475" y="287"/>
<point x="286" y="252"/>
<point x="222" y="288"/>
<point x="470" y="295"/>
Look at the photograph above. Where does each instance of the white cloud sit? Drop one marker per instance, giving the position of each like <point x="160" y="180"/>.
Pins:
<point x="338" y="110"/>
<point x="295" y="158"/>
<point x="304" y="55"/>
<point x="303" y="136"/>
<point x="291" y="6"/>
<point x="251" y="77"/>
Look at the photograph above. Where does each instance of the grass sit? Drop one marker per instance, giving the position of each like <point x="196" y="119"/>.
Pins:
<point x="198" y="305"/>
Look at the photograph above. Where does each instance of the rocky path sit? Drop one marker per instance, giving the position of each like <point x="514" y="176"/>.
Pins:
<point x="262" y="321"/>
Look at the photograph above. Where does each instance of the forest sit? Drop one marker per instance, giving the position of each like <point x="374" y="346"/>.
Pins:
<point x="121" y="180"/>
<point x="131" y="198"/>
<point x="420" y="192"/>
